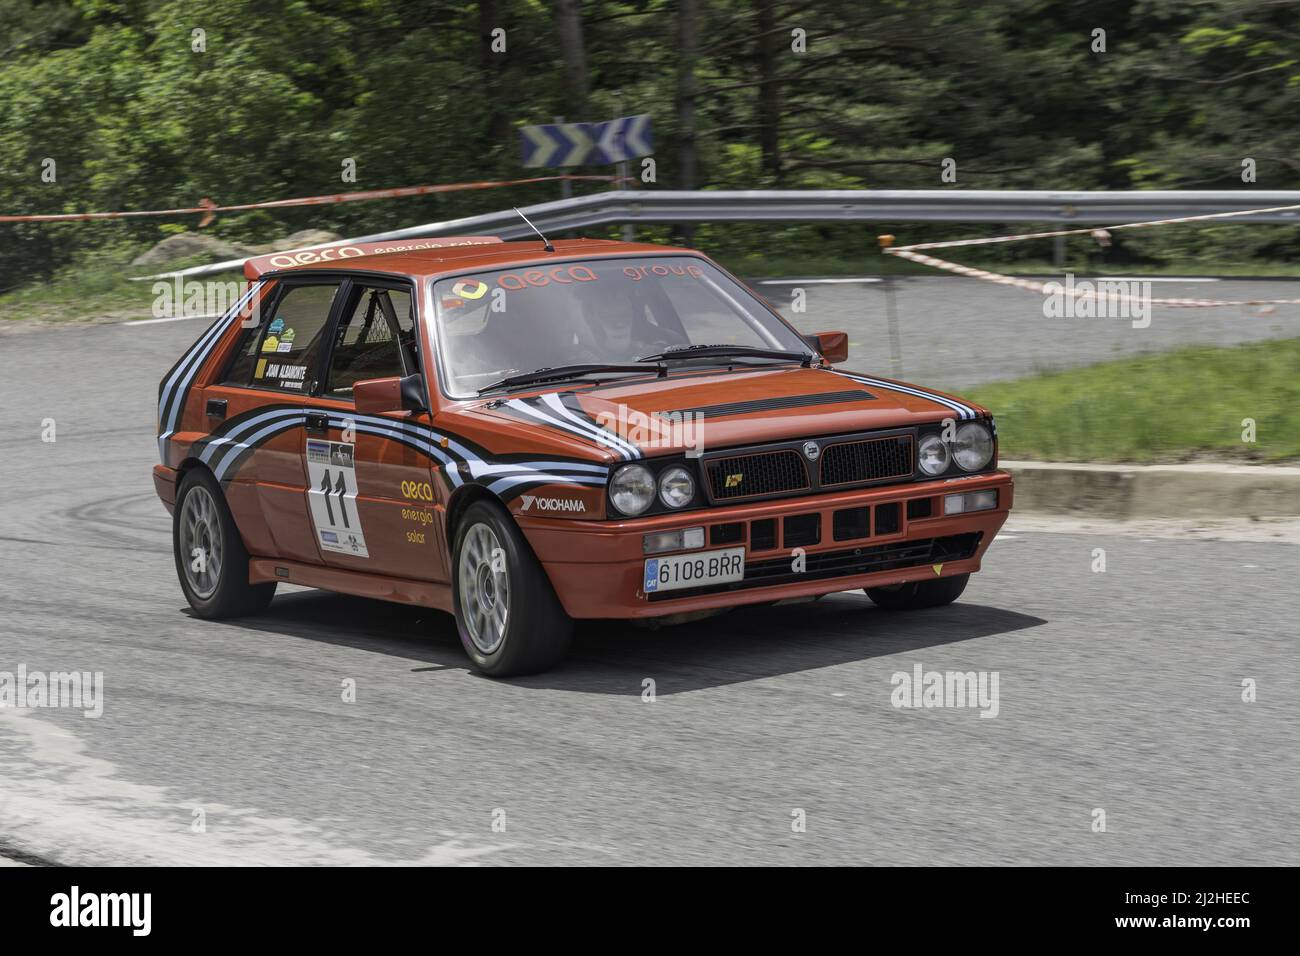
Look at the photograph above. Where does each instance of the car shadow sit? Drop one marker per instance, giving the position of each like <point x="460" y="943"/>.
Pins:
<point x="756" y="642"/>
<point x="615" y="657"/>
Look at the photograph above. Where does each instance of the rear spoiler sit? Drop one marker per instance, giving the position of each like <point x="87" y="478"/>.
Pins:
<point x="348" y="251"/>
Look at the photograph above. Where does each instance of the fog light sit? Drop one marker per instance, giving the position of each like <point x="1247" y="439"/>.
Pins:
<point x="684" y="540"/>
<point x="970" y="501"/>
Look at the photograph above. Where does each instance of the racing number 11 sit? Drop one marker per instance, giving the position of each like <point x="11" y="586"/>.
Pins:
<point x="341" y="489"/>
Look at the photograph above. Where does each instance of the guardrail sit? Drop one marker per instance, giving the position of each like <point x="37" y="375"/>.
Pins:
<point x="838" y="205"/>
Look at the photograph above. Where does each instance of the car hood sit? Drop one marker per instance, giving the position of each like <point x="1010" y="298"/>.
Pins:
<point x="702" y="410"/>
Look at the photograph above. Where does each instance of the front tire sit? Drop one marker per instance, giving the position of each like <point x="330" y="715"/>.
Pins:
<point x="509" y="620"/>
<point x="210" y="558"/>
<point x="919" y="594"/>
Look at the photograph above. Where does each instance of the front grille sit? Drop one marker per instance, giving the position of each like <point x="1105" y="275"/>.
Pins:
<point x="762" y="534"/>
<point x="850" y="523"/>
<point x="729" y="533"/>
<point x="872" y="460"/>
<point x="761" y="473"/>
<point x="845" y="563"/>
<point x="887" y="518"/>
<point x="805" y="467"/>
<point x="801" y="530"/>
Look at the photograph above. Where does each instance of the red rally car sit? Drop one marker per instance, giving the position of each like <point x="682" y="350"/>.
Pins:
<point x="525" y="433"/>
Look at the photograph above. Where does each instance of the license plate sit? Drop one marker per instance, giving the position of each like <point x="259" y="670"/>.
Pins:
<point x="694" y="570"/>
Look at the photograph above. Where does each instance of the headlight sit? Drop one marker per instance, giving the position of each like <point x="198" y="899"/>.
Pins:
<point x="676" y="487"/>
<point x="632" y="489"/>
<point x="933" y="455"/>
<point x="973" y="447"/>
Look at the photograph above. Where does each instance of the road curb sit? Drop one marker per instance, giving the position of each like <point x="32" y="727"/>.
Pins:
<point x="1156" y="491"/>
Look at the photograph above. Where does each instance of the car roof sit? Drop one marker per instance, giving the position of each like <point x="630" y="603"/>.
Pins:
<point x="436" y="256"/>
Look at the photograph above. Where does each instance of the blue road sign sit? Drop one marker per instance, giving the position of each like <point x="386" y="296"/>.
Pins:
<point x="587" y="144"/>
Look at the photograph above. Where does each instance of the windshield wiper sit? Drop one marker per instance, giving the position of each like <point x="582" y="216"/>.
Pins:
<point x="685" y="352"/>
<point x="560" y="373"/>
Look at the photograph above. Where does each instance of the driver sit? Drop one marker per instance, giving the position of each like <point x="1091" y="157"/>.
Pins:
<point x="621" y="329"/>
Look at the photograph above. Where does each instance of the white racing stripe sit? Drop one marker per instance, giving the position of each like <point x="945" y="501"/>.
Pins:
<point x="502" y="484"/>
<point x="497" y="477"/>
<point x="964" y="411"/>
<point x="179" y="381"/>
<point x="552" y="401"/>
<point x="545" y="418"/>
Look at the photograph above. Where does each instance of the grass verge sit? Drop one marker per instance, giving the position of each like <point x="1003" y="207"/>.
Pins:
<point x="97" y="293"/>
<point x="1169" y="407"/>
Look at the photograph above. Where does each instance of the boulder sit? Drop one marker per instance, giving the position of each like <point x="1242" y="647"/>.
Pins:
<point x="188" y="245"/>
<point x="304" y="239"/>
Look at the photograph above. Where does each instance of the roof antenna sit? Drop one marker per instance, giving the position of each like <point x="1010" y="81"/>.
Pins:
<point x="546" y="243"/>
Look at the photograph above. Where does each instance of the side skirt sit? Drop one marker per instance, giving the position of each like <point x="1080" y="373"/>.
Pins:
<point x="378" y="586"/>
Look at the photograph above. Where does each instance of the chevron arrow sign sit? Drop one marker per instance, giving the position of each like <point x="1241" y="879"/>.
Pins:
<point x="586" y="144"/>
<point x="623" y="138"/>
<point x="557" y="144"/>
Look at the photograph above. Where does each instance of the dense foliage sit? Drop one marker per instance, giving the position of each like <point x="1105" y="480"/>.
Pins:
<point x="284" y="91"/>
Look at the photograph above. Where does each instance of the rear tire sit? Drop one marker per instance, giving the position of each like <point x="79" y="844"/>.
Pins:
<point x="215" y="581"/>
<point x="919" y="594"/>
<point x="509" y="620"/>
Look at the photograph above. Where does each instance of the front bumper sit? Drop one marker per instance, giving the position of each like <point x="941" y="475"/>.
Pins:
<point x="597" y="568"/>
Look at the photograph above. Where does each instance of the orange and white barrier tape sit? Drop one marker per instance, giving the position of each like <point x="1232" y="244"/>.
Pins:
<point x="208" y="209"/>
<point x="1102" y="235"/>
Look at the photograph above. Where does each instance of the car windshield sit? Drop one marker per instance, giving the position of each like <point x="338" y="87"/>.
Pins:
<point x="495" y="324"/>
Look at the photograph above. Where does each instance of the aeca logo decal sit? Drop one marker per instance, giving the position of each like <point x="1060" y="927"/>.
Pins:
<point x="417" y="490"/>
<point x="469" y="289"/>
<point x="532" y="502"/>
<point x="308" y="256"/>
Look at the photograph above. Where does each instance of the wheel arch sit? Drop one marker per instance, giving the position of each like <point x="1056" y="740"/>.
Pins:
<point x="459" y="503"/>
<point x="188" y="465"/>
<point x="195" y="465"/>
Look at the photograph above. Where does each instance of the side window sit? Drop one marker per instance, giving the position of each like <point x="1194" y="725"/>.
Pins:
<point x="365" y="346"/>
<point x="241" y="368"/>
<point x="291" y="343"/>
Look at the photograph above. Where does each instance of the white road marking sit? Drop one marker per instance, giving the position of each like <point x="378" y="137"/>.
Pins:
<point x="176" y="318"/>
<point x="813" y="281"/>
<point x="1148" y="279"/>
<point x="65" y="803"/>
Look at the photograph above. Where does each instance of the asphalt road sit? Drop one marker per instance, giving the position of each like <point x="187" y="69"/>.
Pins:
<point x="955" y="332"/>
<point x="1119" y="691"/>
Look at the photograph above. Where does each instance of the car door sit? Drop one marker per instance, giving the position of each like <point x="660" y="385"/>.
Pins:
<point x="258" y="411"/>
<point x="370" y="493"/>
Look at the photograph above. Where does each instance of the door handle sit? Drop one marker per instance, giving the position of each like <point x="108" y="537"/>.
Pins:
<point x="318" y="422"/>
<point x="216" y="408"/>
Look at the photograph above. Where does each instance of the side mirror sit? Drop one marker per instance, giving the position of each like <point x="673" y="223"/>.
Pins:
<point x="375" y="396"/>
<point x="833" y="346"/>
